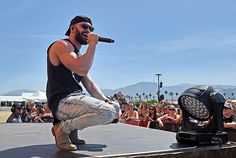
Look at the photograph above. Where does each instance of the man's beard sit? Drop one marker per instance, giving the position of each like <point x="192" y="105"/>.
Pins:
<point x="79" y="38"/>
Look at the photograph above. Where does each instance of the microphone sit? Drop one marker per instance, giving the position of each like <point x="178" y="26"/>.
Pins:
<point x="107" y="40"/>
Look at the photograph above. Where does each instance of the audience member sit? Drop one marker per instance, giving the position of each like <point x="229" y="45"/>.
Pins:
<point x="47" y="116"/>
<point x="143" y="110"/>
<point x="29" y="112"/>
<point x="151" y="117"/>
<point x="15" y="116"/>
<point x="37" y="115"/>
<point x="130" y="113"/>
<point x="123" y="107"/>
<point x="165" y="109"/>
<point x="229" y="116"/>
<point x="170" y="121"/>
<point x="159" y="109"/>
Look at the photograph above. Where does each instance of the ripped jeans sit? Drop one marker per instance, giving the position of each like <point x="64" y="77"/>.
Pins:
<point x="78" y="111"/>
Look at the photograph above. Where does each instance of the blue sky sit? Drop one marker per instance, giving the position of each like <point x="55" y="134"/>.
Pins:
<point x="188" y="41"/>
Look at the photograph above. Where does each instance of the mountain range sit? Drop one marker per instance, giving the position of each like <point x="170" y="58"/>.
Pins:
<point x="151" y="88"/>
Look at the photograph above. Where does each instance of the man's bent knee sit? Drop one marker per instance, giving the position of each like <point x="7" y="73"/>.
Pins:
<point x="108" y="112"/>
<point x="117" y="108"/>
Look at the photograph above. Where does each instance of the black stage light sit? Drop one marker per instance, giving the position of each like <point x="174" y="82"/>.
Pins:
<point x="202" y="112"/>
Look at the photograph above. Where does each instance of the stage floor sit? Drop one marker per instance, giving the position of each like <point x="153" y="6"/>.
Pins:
<point x="114" y="140"/>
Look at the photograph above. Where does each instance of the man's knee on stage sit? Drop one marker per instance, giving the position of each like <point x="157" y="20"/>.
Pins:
<point x="109" y="112"/>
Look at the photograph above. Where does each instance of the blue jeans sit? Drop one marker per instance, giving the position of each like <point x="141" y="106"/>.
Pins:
<point x="78" y="111"/>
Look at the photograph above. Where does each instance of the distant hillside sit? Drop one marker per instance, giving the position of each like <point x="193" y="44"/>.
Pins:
<point x="147" y="88"/>
<point x="151" y="88"/>
<point x="131" y="90"/>
<point x="17" y="92"/>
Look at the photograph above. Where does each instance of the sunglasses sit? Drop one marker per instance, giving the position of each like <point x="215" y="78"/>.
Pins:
<point x="172" y="109"/>
<point x="85" y="27"/>
<point x="151" y="109"/>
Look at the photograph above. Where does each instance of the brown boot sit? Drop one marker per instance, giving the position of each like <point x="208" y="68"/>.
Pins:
<point x="74" y="138"/>
<point x="62" y="139"/>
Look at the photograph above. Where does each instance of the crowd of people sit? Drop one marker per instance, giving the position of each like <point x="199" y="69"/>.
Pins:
<point x="34" y="112"/>
<point x="165" y="115"/>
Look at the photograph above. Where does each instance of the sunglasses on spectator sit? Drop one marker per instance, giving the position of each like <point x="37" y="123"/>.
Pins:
<point x="151" y="109"/>
<point x="172" y="109"/>
<point x="19" y="108"/>
<point x="86" y="26"/>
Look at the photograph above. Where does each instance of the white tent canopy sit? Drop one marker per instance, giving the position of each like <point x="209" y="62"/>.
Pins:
<point x="11" y="98"/>
<point x="39" y="96"/>
<point x="36" y="96"/>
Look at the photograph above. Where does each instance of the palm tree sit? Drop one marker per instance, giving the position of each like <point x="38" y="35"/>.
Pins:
<point x="177" y="94"/>
<point x="143" y="95"/>
<point x="128" y="97"/>
<point x="171" y="94"/>
<point x="140" y="97"/>
<point x="224" y="94"/>
<point x="131" y="98"/>
<point x="150" y="95"/>
<point x="153" y="97"/>
<point x="166" y="92"/>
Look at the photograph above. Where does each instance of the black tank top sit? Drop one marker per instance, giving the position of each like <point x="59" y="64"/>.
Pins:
<point x="61" y="82"/>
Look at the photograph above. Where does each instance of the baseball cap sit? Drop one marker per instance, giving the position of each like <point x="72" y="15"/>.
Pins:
<point x="227" y="106"/>
<point x="76" y="20"/>
<point x="38" y="104"/>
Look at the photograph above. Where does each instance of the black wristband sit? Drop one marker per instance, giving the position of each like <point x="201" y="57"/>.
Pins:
<point x="108" y="101"/>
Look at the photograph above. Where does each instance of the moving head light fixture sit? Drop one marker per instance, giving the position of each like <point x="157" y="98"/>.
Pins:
<point x="202" y="123"/>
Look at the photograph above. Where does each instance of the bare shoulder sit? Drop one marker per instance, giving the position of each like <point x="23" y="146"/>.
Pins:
<point x="61" y="46"/>
<point x="58" y="48"/>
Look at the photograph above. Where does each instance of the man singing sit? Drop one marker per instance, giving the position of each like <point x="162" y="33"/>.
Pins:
<point x="66" y="68"/>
